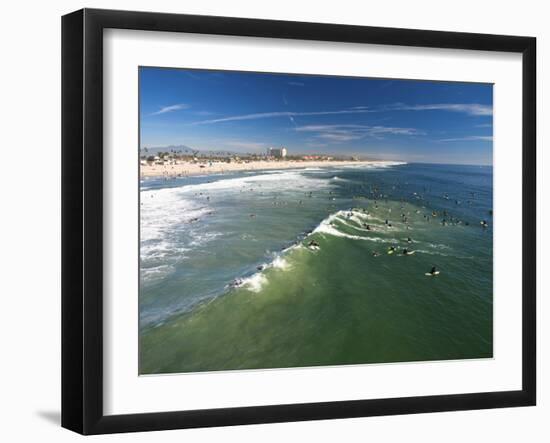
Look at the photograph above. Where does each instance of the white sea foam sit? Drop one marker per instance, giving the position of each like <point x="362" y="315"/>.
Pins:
<point x="164" y="210"/>
<point x="423" y="251"/>
<point x="255" y="282"/>
<point x="375" y="165"/>
<point x="164" y="215"/>
<point x="272" y="171"/>
<point x="359" y="217"/>
<point x="295" y="246"/>
<point x="280" y="263"/>
<point x="161" y="249"/>
<point x="200" y="239"/>
<point x="438" y="246"/>
<point x="468" y="257"/>
<point x="376" y="228"/>
<point x="328" y="227"/>
<point x="155" y="272"/>
<point x="272" y="180"/>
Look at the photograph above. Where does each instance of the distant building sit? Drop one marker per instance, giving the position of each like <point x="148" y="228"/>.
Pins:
<point x="277" y="152"/>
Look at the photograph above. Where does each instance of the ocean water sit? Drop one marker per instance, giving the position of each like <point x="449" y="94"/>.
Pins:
<point x="292" y="268"/>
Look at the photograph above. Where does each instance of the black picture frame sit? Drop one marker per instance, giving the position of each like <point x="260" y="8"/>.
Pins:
<point x="82" y="220"/>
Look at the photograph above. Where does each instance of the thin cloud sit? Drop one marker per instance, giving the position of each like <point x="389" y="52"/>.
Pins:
<point x="471" y="138"/>
<point x="342" y="133"/>
<point x="466" y="108"/>
<point x="171" y="108"/>
<point x="339" y="137"/>
<point x="375" y="130"/>
<point x="296" y="84"/>
<point x="469" y="109"/>
<point x="277" y="114"/>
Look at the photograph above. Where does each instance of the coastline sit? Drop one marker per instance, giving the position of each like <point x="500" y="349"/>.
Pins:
<point x="189" y="169"/>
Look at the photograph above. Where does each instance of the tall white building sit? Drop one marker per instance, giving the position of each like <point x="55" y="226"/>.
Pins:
<point x="277" y="152"/>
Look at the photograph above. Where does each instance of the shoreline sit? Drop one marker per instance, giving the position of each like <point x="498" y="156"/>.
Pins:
<point x="188" y="169"/>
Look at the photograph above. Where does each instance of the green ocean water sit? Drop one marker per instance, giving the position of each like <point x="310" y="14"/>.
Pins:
<point x="278" y="269"/>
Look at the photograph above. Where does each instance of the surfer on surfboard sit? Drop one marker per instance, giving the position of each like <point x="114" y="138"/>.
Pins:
<point x="432" y="272"/>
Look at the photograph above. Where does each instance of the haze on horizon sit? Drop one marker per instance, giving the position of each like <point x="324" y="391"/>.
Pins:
<point x="409" y="120"/>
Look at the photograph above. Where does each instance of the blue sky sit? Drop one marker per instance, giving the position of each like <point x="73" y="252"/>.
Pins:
<point x="415" y="121"/>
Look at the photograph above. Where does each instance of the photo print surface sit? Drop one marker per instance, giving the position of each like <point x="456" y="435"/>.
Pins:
<point x="292" y="220"/>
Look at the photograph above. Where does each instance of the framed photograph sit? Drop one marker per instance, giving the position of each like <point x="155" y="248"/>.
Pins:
<point x="269" y="221"/>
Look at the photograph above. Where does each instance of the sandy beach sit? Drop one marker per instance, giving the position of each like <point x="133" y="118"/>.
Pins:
<point x="189" y="169"/>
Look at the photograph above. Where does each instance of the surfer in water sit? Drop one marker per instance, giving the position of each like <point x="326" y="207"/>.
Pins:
<point x="236" y="283"/>
<point x="313" y="244"/>
<point x="433" y="272"/>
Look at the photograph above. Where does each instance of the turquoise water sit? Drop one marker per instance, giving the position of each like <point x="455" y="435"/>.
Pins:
<point x="291" y="268"/>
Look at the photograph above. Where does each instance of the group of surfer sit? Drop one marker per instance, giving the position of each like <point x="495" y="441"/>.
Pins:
<point x="378" y="197"/>
<point x="376" y="193"/>
<point x="392" y="249"/>
<point x="404" y="218"/>
<point x="405" y="252"/>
